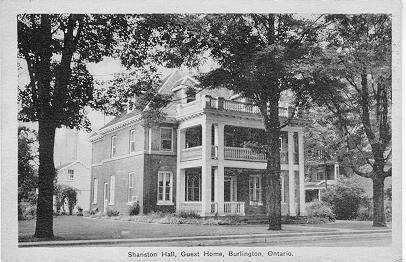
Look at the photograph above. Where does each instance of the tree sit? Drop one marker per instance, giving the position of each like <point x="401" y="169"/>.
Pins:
<point x="354" y="83"/>
<point x="27" y="173"/>
<point x="260" y="57"/>
<point x="56" y="49"/>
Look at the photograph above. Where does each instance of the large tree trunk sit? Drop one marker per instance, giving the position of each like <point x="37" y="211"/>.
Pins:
<point x="46" y="172"/>
<point x="272" y="175"/>
<point x="379" y="219"/>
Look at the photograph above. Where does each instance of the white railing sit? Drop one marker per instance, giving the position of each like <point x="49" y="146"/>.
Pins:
<point x="191" y="153"/>
<point x="191" y="207"/>
<point x="230" y="105"/>
<point x="243" y="153"/>
<point x="234" y="208"/>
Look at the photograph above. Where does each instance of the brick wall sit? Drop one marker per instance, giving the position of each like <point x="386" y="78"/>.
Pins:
<point x="120" y="169"/>
<point x="153" y="164"/>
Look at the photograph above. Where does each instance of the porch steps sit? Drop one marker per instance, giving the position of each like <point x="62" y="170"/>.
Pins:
<point x="263" y="219"/>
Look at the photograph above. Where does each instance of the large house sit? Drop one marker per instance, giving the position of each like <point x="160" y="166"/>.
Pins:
<point x="319" y="175"/>
<point x="196" y="160"/>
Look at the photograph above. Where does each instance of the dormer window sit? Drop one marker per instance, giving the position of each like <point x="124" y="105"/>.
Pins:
<point x="130" y="104"/>
<point x="190" y="95"/>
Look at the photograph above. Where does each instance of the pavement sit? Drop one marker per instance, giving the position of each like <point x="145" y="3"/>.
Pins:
<point x="80" y="231"/>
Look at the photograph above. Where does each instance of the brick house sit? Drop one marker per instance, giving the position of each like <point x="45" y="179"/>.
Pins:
<point x="196" y="160"/>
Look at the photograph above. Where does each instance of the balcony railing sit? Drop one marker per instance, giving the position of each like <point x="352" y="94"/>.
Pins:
<point x="230" y="105"/>
<point x="191" y="153"/>
<point x="244" y="153"/>
<point x="234" y="208"/>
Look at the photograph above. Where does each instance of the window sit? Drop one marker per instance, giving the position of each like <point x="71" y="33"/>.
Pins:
<point x="193" y="185"/>
<point x="113" y="146"/>
<point x="70" y="174"/>
<point x="255" y="193"/>
<point x="132" y="141"/>
<point x="112" y="189"/>
<point x="320" y="175"/>
<point x="131" y="188"/>
<point x="166" y="139"/>
<point x="164" y="187"/>
<point x="95" y="181"/>
<point x="280" y="144"/>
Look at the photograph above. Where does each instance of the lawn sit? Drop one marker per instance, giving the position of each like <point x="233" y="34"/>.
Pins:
<point x="82" y="228"/>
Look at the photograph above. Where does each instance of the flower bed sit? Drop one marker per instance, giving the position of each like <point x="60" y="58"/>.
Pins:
<point x="174" y="218"/>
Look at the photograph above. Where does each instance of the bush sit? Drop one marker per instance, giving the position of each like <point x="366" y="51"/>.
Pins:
<point x="364" y="214"/>
<point x="86" y="213"/>
<point x="28" y="211"/>
<point x="112" y="212"/>
<point x="80" y="211"/>
<point x="388" y="210"/>
<point x="190" y="214"/>
<point x="320" y="209"/>
<point x="94" y="211"/>
<point x="134" y="209"/>
<point x="345" y="198"/>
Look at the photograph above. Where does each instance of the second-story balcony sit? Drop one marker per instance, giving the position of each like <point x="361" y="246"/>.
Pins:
<point x="211" y="103"/>
<point x="245" y="154"/>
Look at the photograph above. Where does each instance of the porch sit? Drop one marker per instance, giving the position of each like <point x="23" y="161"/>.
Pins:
<point x="240" y="193"/>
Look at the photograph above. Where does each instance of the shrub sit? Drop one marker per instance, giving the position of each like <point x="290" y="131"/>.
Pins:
<point x="94" y="211"/>
<point x="320" y="209"/>
<point x="345" y="198"/>
<point x="112" y="212"/>
<point x="28" y="211"/>
<point x="86" y="213"/>
<point x="134" y="208"/>
<point x="80" y="211"/>
<point x="71" y="196"/>
<point x="388" y="210"/>
<point x="388" y="193"/>
<point x="189" y="214"/>
<point x="364" y="214"/>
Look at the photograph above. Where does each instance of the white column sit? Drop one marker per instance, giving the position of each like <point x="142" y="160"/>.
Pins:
<point x="206" y="167"/>
<point x="219" y="175"/>
<point x="292" y="211"/>
<point x="149" y="140"/>
<point x="302" y="210"/>
<point x="180" y="173"/>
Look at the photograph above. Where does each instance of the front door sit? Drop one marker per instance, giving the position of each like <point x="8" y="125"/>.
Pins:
<point x="105" y="196"/>
<point x="230" y="188"/>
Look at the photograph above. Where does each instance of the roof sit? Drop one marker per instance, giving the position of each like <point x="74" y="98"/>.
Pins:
<point x="165" y="88"/>
<point x="69" y="164"/>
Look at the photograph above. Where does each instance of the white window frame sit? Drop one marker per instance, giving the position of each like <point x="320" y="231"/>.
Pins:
<point x="257" y="197"/>
<point x="113" y="146"/>
<point x="164" y="201"/>
<point x="160" y="144"/>
<point x="131" y="197"/>
<point x="112" y="189"/>
<point x="95" y="186"/>
<point x="199" y="176"/>
<point x="132" y="141"/>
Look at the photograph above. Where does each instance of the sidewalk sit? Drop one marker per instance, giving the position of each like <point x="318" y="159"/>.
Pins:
<point x="71" y="230"/>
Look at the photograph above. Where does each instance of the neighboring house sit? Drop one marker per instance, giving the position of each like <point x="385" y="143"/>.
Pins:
<point x="196" y="160"/>
<point x="76" y="174"/>
<point x="319" y="175"/>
